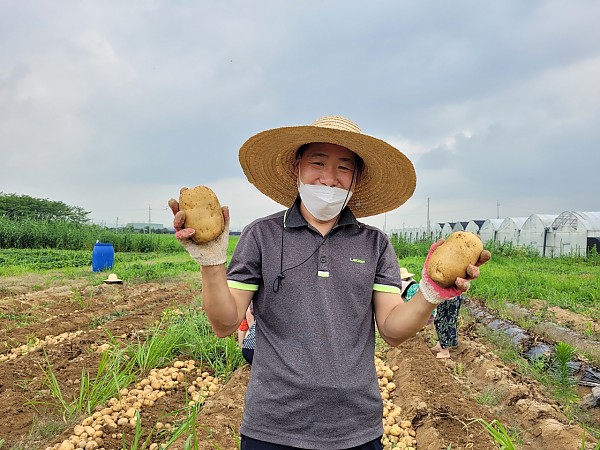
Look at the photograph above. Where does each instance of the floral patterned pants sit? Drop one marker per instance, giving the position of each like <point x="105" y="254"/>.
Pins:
<point x="446" y="321"/>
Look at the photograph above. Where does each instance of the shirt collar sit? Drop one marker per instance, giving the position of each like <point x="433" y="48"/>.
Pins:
<point x="293" y="217"/>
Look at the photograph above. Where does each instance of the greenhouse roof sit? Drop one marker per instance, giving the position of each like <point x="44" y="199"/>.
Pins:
<point x="546" y="219"/>
<point x="495" y="223"/>
<point x="518" y="221"/>
<point x="590" y="220"/>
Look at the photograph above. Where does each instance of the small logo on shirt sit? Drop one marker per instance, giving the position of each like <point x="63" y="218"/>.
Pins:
<point x="356" y="260"/>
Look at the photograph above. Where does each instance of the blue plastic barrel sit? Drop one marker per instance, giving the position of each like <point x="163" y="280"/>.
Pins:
<point x="103" y="256"/>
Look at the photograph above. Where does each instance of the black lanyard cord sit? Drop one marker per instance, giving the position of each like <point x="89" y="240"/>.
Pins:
<point x="281" y="275"/>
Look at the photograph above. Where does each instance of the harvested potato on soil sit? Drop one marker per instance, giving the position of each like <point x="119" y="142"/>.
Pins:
<point x="450" y="260"/>
<point x="202" y="213"/>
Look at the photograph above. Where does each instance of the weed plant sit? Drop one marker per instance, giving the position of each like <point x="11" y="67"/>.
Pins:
<point x="114" y="372"/>
<point x="98" y="321"/>
<point x="157" y="350"/>
<point x="138" y="442"/>
<point x="19" y="319"/>
<point x="199" y="341"/>
<point x="489" y="396"/>
<point x="82" y="301"/>
<point x="188" y="429"/>
<point x="565" y="384"/>
<point x="499" y="433"/>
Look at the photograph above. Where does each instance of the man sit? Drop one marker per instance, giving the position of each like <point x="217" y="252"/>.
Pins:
<point x="320" y="281"/>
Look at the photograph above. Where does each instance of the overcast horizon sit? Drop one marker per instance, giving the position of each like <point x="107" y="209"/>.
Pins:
<point x="113" y="106"/>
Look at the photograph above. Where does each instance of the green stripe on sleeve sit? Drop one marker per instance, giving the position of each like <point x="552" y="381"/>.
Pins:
<point x="386" y="288"/>
<point x="242" y="286"/>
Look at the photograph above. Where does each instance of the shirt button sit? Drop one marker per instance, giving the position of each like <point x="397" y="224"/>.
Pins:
<point x="323" y="259"/>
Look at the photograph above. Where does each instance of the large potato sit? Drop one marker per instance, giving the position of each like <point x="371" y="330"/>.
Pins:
<point x="202" y="213"/>
<point x="450" y="260"/>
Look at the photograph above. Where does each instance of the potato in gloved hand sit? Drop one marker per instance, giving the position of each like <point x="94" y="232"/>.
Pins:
<point x="202" y="213"/>
<point x="450" y="260"/>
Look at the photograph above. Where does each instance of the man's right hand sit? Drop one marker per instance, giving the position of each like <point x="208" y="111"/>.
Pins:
<point x="211" y="253"/>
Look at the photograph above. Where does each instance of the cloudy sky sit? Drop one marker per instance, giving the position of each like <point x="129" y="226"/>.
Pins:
<point x="114" y="105"/>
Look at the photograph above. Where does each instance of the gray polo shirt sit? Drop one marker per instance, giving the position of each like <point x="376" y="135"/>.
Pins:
<point x="313" y="382"/>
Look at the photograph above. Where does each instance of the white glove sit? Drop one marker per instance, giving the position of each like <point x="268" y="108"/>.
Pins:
<point x="211" y="253"/>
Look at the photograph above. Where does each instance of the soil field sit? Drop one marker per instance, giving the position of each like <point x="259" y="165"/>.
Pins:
<point x="434" y="401"/>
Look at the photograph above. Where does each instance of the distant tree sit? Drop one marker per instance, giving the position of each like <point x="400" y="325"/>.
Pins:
<point x="18" y="207"/>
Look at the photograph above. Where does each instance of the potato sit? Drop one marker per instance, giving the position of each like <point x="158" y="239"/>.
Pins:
<point x="202" y="213"/>
<point x="450" y="260"/>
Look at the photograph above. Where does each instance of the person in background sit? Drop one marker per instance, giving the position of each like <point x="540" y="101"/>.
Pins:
<point x="242" y="331"/>
<point x="244" y="327"/>
<point x="249" y="344"/>
<point x="320" y="282"/>
<point x="446" y="326"/>
<point x="409" y="284"/>
<point x="410" y="288"/>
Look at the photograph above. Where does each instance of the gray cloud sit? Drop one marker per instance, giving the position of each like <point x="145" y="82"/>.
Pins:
<point x="495" y="102"/>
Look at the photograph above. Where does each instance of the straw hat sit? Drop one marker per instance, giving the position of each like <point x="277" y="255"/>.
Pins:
<point x="405" y="273"/>
<point x="387" y="181"/>
<point x="112" y="278"/>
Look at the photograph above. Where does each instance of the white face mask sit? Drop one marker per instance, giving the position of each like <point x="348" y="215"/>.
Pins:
<point x="323" y="202"/>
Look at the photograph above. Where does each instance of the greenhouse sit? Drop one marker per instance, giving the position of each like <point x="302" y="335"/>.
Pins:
<point x="569" y="233"/>
<point x="489" y="229"/>
<point x="474" y="226"/>
<point x="510" y="229"/>
<point x="575" y="232"/>
<point x="460" y="226"/>
<point x="447" y="229"/>
<point x="536" y="233"/>
<point x="411" y="234"/>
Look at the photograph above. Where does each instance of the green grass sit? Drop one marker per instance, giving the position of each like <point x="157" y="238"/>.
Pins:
<point x="519" y="277"/>
<point x="516" y="276"/>
<point x="490" y="396"/>
<point x="81" y="300"/>
<point x="39" y="234"/>
<point x="223" y="355"/>
<point x="98" y="321"/>
<point x="501" y="435"/>
<point x="158" y="349"/>
<point x="20" y="319"/>
<point x="570" y="283"/>
<point x="113" y="373"/>
<point x="133" y="267"/>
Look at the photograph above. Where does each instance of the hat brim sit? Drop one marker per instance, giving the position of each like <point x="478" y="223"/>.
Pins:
<point x="387" y="181"/>
<point x="113" y="281"/>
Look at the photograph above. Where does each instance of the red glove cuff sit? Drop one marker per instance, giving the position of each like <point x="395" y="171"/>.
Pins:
<point x="433" y="292"/>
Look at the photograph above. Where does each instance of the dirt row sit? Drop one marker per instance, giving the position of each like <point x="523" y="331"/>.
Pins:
<point x="59" y="333"/>
<point x="440" y="398"/>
